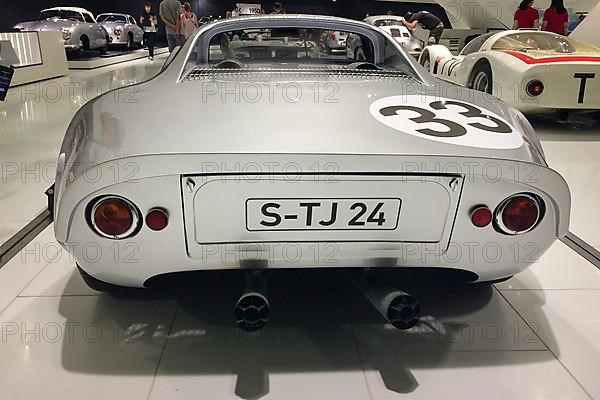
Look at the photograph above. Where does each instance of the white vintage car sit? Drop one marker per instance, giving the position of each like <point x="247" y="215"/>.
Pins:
<point x="272" y="154"/>
<point x="394" y="25"/>
<point x="122" y="29"/>
<point x="532" y="71"/>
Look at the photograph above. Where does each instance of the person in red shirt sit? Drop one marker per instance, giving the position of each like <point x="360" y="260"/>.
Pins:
<point x="556" y="18"/>
<point x="526" y="17"/>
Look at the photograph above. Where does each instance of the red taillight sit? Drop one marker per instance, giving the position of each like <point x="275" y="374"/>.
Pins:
<point x="114" y="217"/>
<point x="157" y="219"/>
<point x="518" y="214"/>
<point x="535" y="88"/>
<point x="481" y="216"/>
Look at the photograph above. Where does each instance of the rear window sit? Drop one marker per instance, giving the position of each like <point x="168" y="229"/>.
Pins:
<point x="282" y="45"/>
<point x="60" y="14"/>
<point x="266" y="43"/>
<point x="540" y="41"/>
<point x="112" y="18"/>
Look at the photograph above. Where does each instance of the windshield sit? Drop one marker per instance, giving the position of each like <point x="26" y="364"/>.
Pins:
<point x="296" y="47"/>
<point x="387" y="22"/>
<point x="111" y="18"/>
<point x="540" y="41"/>
<point x="62" y="14"/>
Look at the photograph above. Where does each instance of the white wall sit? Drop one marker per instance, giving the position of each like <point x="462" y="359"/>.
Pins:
<point x="587" y="30"/>
<point x="497" y="14"/>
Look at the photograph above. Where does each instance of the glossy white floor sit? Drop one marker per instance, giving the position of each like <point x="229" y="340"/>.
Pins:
<point x="533" y="337"/>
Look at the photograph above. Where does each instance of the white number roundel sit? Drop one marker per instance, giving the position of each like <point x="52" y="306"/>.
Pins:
<point x="446" y="120"/>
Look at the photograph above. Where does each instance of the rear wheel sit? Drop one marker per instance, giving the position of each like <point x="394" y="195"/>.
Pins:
<point x="84" y="43"/>
<point x="482" y="78"/>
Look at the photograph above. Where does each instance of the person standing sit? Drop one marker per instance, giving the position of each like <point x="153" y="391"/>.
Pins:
<point x="526" y="17"/>
<point x="428" y="21"/>
<point x="556" y="18"/>
<point x="189" y="21"/>
<point x="149" y="22"/>
<point x="278" y="8"/>
<point x="170" y="15"/>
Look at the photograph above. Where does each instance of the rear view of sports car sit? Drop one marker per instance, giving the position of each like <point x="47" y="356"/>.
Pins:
<point x="356" y="164"/>
<point x="533" y="71"/>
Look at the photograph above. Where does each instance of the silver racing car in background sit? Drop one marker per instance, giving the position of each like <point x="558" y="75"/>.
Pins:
<point x="79" y="29"/>
<point x="122" y="29"/>
<point x="369" y="165"/>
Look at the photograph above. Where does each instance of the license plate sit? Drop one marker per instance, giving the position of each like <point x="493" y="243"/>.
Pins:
<point x="322" y="214"/>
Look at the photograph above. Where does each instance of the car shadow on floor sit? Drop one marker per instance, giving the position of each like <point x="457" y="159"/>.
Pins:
<point x="320" y="322"/>
<point x="576" y="126"/>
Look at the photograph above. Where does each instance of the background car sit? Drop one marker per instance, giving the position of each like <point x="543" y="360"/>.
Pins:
<point x="122" y="29"/>
<point x="335" y="41"/>
<point x="283" y="150"/>
<point x="79" y="28"/>
<point x="534" y="71"/>
<point x="394" y="25"/>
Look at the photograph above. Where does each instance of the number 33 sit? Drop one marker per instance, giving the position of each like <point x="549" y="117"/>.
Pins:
<point x="454" y="129"/>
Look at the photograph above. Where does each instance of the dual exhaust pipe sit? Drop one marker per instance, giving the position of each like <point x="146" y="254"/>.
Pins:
<point x="400" y="309"/>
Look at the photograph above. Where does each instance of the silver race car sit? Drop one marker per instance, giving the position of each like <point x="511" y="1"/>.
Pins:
<point x="79" y="29"/>
<point x="394" y="25"/>
<point x="271" y="153"/>
<point x="122" y="29"/>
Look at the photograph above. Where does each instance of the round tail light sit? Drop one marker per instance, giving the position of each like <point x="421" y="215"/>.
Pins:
<point x="481" y="216"/>
<point x="114" y="217"/>
<point x="518" y="214"/>
<point x="157" y="219"/>
<point x="535" y="88"/>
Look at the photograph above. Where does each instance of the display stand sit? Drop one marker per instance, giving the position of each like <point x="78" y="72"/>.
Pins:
<point x="35" y="56"/>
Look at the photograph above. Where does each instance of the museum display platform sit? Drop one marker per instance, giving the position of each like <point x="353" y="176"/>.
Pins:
<point x="92" y="60"/>
<point x="35" y="56"/>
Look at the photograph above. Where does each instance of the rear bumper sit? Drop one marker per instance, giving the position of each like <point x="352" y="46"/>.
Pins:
<point x="566" y="87"/>
<point x="132" y="261"/>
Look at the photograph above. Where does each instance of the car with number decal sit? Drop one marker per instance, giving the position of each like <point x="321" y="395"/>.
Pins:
<point x="351" y="164"/>
<point x="535" y="72"/>
<point x="122" y="29"/>
<point x="78" y="27"/>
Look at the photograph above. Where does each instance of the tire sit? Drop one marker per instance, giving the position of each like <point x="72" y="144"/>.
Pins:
<point x="84" y="43"/>
<point x="425" y="61"/>
<point x="130" y="42"/>
<point x="104" y="48"/>
<point x="481" y="78"/>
